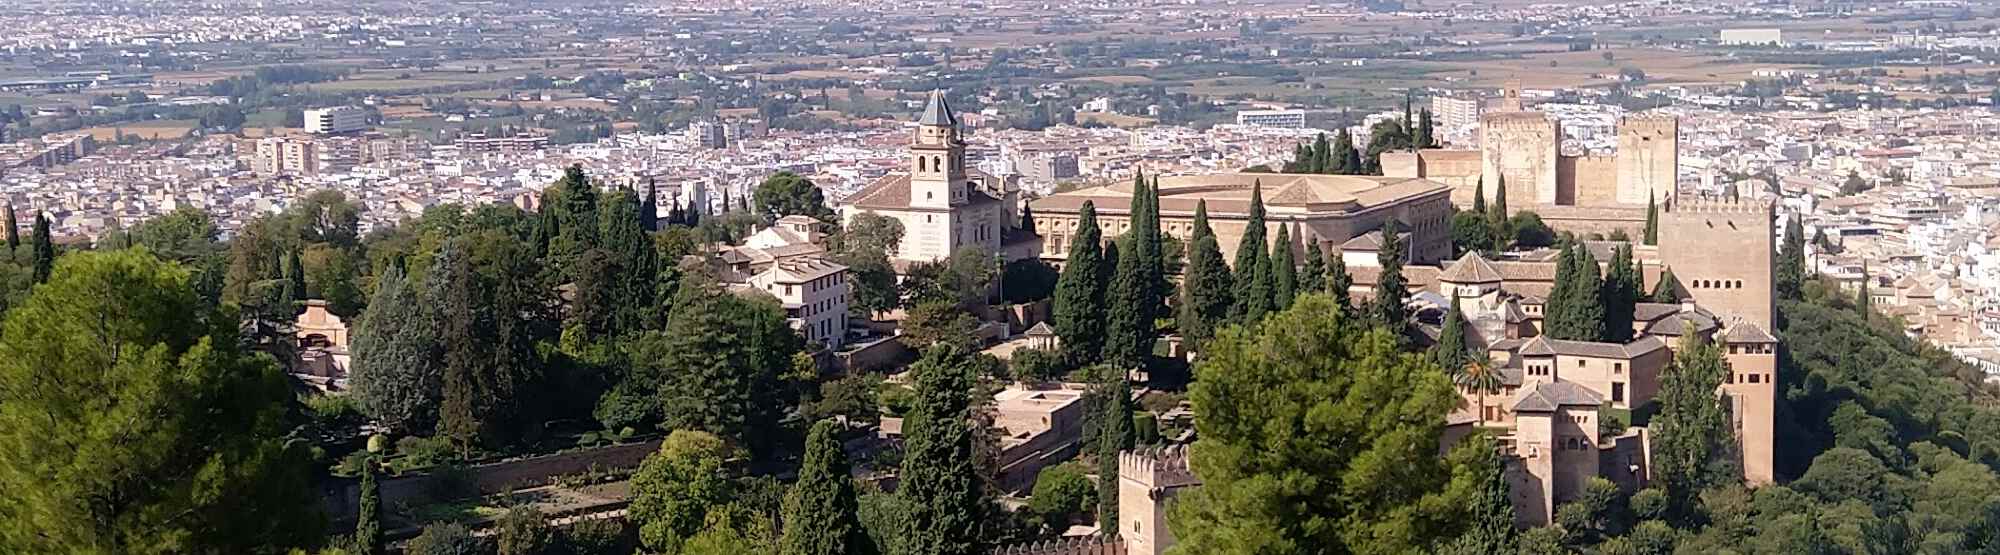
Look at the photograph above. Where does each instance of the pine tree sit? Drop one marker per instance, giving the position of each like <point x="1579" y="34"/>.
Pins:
<point x="1312" y="276"/>
<point x="1080" y="292"/>
<point x="1574" y="311"/>
<point x="13" y="231"/>
<point x="45" y="249"/>
<point x="1452" y="348"/>
<point x="1253" y="279"/>
<point x="1114" y="436"/>
<point x="1339" y="283"/>
<point x="1666" y="291"/>
<point x="940" y="485"/>
<point x="1619" y="294"/>
<point x="1478" y="197"/>
<point x="1652" y="232"/>
<point x="368" y="526"/>
<point x="820" y="511"/>
<point x="1390" y="289"/>
<point x="649" y="207"/>
<point x="1791" y="272"/>
<point x="1284" y="271"/>
<point x="1206" y="284"/>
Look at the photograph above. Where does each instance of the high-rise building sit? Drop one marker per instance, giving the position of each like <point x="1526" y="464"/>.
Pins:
<point x="708" y="134"/>
<point x="1455" y="117"/>
<point x="287" y="156"/>
<point x="1293" y="119"/>
<point x="335" y="120"/>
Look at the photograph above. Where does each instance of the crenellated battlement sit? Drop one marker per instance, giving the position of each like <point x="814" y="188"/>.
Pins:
<point x="1648" y="124"/>
<point x="1683" y="204"/>
<point x="1082" y="545"/>
<point x="1517" y="121"/>
<point x="1157" y="467"/>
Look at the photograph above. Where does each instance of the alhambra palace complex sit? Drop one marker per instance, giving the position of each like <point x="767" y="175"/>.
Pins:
<point x="1555" y="392"/>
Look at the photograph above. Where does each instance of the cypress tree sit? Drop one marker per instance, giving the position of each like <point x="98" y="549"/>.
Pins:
<point x="1864" y="302"/>
<point x="1496" y="215"/>
<point x="295" y="270"/>
<point x="1028" y="220"/>
<point x="649" y="207"/>
<point x="1079" y="298"/>
<point x="1478" y="198"/>
<point x="1114" y="436"/>
<point x="1652" y="232"/>
<point x="1205" y="289"/>
<point x="1620" y="292"/>
<point x="820" y="511"/>
<point x="1574" y="311"/>
<point x="1451" y="346"/>
<point x="1391" y="288"/>
<point x="1312" y="276"/>
<point x="368" y="525"/>
<point x="1666" y="291"/>
<point x="629" y="291"/>
<point x="1424" y="135"/>
<point x="1339" y="283"/>
<point x="1491" y="515"/>
<point x="1129" y="324"/>
<point x="1350" y="157"/>
<point x="1322" y="156"/>
<point x="1253" y="266"/>
<point x="45" y="249"/>
<point x="940" y="482"/>
<point x="464" y="333"/>
<point x="13" y="231"/>
<point x="1284" y="271"/>
<point x="1791" y="271"/>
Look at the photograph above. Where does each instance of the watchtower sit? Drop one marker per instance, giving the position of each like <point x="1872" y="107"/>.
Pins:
<point x="1721" y="251"/>
<point x="1147" y="479"/>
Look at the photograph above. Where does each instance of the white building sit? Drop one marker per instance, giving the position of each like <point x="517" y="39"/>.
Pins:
<point x="1290" y="119"/>
<point x="788" y="262"/>
<point x="943" y="205"/>
<point x="335" y="120"/>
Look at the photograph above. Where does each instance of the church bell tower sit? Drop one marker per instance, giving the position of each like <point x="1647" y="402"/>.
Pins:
<point x="937" y="158"/>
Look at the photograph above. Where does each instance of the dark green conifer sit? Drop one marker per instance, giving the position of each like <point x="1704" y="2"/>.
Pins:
<point x="1791" y="271"/>
<point x="1312" y="276"/>
<point x="1391" y="288"/>
<point x="1206" y="285"/>
<point x="1253" y="279"/>
<point x="1451" y="346"/>
<point x="1339" y="283"/>
<point x="1284" y="270"/>
<point x="45" y="249"/>
<point x="1080" y="291"/>
<point x="1652" y="231"/>
<point x="1620" y="292"/>
<point x="940" y="484"/>
<point x="1114" y="436"/>
<point x="821" y="510"/>
<point x="368" y="525"/>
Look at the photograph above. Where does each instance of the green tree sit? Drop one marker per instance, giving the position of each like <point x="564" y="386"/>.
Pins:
<point x="1206" y="285"/>
<point x="1668" y="289"/>
<point x="1575" y="311"/>
<point x="789" y="194"/>
<point x="1390" y="289"/>
<point x="524" y="530"/>
<point x="717" y="366"/>
<point x="1692" y="436"/>
<point x="1479" y="198"/>
<point x="820" y="510"/>
<point x="1311" y="373"/>
<point x="1490" y="524"/>
<point x="13" y="231"/>
<point x="445" y="538"/>
<point x="1651" y="236"/>
<point x="1252" y="293"/>
<point x="633" y="254"/>
<point x="1497" y="214"/>
<point x="45" y="249"/>
<point x="1080" y="291"/>
<point x="1284" y="270"/>
<point x="1114" y="436"/>
<point x="1312" y="276"/>
<point x="395" y="373"/>
<point x="1791" y="271"/>
<point x="1452" y="350"/>
<point x="1864" y="302"/>
<point x="680" y="488"/>
<point x="864" y="245"/>
<point x="1470" y="232"/>
<point x="1619" y="295"/>
<point x="368" y="524"/>
<point x="1338" y="283"/>
<point x="1133" y="297"/>
<point x="1424" y="137"/>
<point x="934" y="323"/>
<point x="940" y="485"/>
<point x="1062" y="493"/>
<point x="134" y="422"/>
<point x="571" y="225"/>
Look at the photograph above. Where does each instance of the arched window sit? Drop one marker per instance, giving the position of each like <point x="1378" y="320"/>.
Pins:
<point x="920" y="164"/>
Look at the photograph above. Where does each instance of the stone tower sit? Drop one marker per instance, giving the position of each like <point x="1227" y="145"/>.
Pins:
<point x="1752" y="389"/>
<point x="1648" y="157"/>
<point x="1147" y="479"/>
<point x="1721" y="251"/>
<point x="937" y="158"/>
<point x="1522" y="146"/>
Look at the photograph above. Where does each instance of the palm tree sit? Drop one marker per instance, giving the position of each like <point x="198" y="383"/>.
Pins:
<point x="1480" y="375"/>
